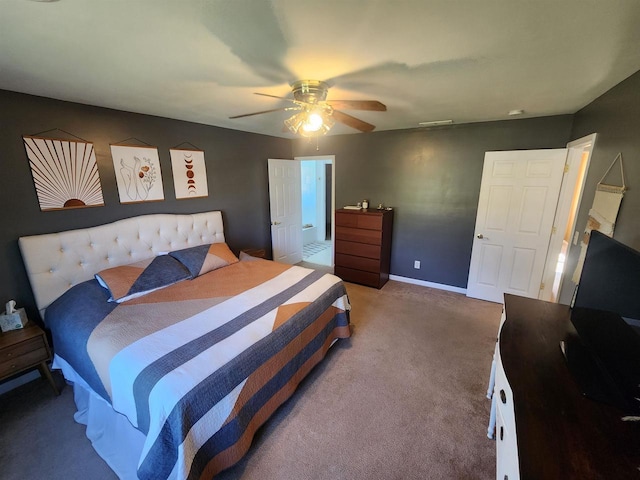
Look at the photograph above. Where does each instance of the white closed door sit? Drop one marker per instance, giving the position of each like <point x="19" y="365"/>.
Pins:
<point x="285" y="206"/>
<point x="518" y="198"/>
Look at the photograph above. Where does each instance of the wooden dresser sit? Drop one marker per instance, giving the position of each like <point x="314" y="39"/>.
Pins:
<point x="363" y="246"/>
<point x="545" y="426"/>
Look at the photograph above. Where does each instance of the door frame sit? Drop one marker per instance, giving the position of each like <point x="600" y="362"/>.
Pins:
<point x="564" y="211"/>
<point x="331" y="158"/>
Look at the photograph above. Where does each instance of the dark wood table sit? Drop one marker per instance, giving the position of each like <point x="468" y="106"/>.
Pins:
<point x="25" y="349"/>
<point x="561" y="433"/>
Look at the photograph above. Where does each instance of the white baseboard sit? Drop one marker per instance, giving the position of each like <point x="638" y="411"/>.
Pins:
<point x="439" y="286"/>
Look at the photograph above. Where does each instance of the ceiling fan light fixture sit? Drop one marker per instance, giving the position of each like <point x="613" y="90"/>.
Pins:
<point x="317" y="115"/>
<point x="313" y="122"/>
<point x="294" y="123"/>
<point x="310" y="91"/>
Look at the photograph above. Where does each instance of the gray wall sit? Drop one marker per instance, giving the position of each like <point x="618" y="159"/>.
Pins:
<point x="235" y="161"/>
<point x="432" y="179"/>
<point x="615" y="117"/>
<point x="431" y="176"/>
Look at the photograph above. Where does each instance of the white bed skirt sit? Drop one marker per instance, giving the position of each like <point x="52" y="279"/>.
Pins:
<point x="111" y="434"/>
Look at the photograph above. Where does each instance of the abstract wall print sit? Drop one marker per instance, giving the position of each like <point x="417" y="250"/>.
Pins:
<point x="65" y="173"/>
<point x="189" y="173"/>
<point x="138" y="174"/>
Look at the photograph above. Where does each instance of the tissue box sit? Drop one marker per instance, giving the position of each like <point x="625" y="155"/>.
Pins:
<point x="13" y="321"/>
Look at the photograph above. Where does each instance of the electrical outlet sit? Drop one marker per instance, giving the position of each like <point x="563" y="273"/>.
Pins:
<point x="416" y="264"/>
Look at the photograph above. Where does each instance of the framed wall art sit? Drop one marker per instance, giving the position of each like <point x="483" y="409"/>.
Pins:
<point x="189" y="173"/>
<point x="138" y="174"/>
<point x="65" y="173"/>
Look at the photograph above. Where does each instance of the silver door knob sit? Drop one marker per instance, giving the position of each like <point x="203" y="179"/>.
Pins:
<point x="275" y="223"/>
<point x="480" y="236"/>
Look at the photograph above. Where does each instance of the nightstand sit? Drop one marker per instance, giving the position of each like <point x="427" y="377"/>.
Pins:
<point x="255" y="252"/>
<point x="25" y="349"/>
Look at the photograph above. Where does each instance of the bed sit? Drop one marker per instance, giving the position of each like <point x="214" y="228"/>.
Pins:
<point x="177" y="350"/>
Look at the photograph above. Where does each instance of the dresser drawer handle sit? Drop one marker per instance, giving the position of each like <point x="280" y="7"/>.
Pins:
<point x="501" y="433"/>
<point x="503" y="396"/>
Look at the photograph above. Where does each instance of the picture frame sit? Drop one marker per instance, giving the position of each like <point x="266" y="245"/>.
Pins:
<point x="189" y="173"/>
<point x="138" y="173"/>
<point x="65" y="173"/>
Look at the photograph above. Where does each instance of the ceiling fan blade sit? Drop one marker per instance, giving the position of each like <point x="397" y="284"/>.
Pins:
<point x="372" y="105"/>
<point x="352" y="122"/>
<point x="259" y="113"/>
<point x="275" y="96"/>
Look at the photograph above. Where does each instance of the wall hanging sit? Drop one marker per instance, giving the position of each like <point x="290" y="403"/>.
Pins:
<point x="65" y="172"/>
<point x="138" y="174"/>
<point x="603" y="213"/>
<point x="189" y="173"/>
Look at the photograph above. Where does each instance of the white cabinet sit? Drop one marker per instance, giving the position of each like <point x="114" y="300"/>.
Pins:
<point x="503" y="420"/>
<point x="506" y="440"/>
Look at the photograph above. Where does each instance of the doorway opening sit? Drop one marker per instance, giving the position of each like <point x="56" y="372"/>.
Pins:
<point x="564" y="234"/>
<point x="317" y="192"/>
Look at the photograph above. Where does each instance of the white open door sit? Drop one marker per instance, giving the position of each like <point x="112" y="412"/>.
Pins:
<point x="518" y="198"/>
<point x="285" y="205"/>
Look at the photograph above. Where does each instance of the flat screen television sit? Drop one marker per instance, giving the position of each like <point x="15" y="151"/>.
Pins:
<point x="603" y="354"/>
<point x="610" y="278"/>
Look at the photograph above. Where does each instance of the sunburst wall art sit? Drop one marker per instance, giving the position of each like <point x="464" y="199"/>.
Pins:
<point x="138" y="173"/>
<point x="189" y="173"/>
<point x="65" y="173"/>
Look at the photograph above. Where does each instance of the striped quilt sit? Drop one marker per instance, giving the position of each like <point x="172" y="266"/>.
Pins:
<point x="200" y="365"/>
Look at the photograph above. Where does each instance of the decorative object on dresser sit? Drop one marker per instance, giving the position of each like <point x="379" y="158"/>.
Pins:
<point x="363" y="246"/>
<point x="25" y="349"/>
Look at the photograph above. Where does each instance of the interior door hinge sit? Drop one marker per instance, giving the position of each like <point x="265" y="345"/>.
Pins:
<point x="553" y="230"/>
<point x="542" y="286"/>
<point x="566" y="168"/>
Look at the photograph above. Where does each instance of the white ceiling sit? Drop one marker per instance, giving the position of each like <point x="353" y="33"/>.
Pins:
<point x="201" y="61"/>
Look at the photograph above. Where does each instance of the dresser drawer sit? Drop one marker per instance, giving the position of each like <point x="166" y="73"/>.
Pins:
<point x="368" y="222"/>
<point x="358" y="276"/>
<point x="358" y="263"/>
<point x="371" y="237"/>
<point x="359" y="249"/>
<point x="14" y="351"/>
<point x="22" y="355"/>
<point x="507" y="465"/>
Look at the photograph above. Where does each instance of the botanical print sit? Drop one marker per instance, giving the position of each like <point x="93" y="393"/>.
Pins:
<point x="189" y="173"/>
<point x="138" y="173"/>
<point x="65" y="173"/>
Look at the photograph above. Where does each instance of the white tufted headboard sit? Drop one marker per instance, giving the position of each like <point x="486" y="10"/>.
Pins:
<point x="57" y="261"/>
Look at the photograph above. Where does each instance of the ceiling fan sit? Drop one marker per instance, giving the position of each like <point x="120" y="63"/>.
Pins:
<point x="316" y="114"/>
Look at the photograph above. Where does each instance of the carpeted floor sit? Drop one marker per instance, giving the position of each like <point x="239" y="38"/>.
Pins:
<point x="404" y="398"/>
